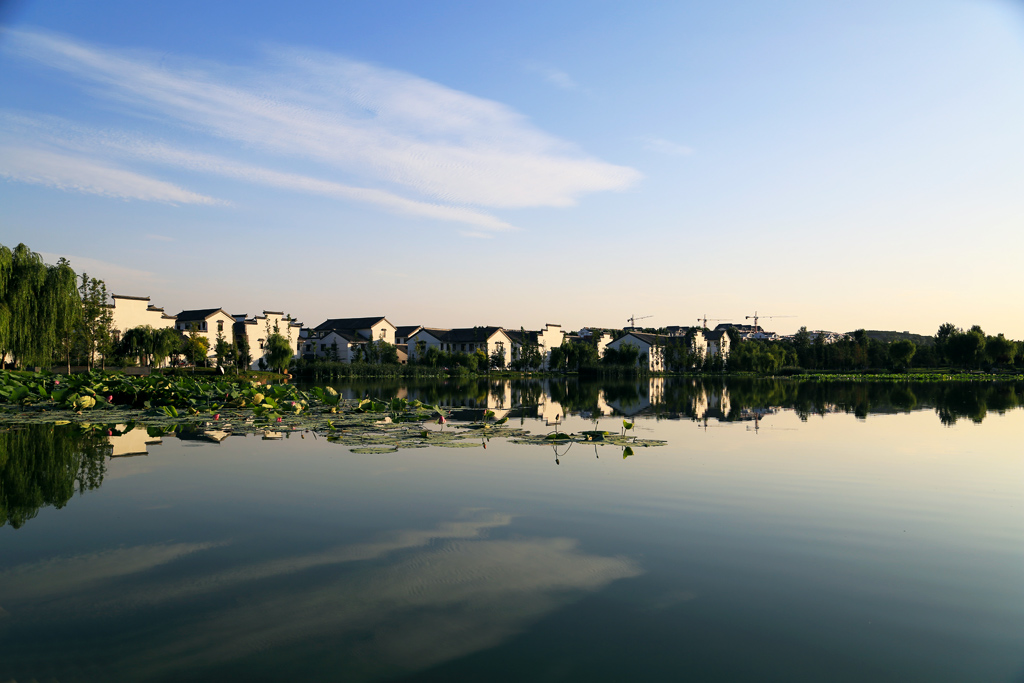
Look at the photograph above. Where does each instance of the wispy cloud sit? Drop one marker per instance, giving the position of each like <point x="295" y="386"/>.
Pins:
<point x="412" y="145"/>
<point x="663" y="146"/>
<point x="58" y="133"/>
<point x="70" y="172"/>
<point x="555" y="77"/>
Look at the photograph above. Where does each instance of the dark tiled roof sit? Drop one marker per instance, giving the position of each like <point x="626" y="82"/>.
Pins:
<point x="125" y="296"/>
<point x="738" y="326"/>
<point x="435" y="332"/>
<point x="716" y="335"/>
<point x="518" y="336"/>
<point x="469" y="334"/>
<point x="654" y="339"/>
<point x="198" y="314"/>
<point x="407" y="330"/>
<point x="349" y="323"/>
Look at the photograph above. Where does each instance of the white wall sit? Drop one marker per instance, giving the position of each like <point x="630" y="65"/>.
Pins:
<point x="130" y="313"/>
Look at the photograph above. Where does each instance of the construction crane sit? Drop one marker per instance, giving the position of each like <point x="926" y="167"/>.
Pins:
<point x="756" y="316"/>
<point x="706" y="319"/>
<point x="633" y="318"/>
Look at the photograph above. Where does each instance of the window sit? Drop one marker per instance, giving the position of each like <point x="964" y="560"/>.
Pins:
<point x="220" y="325"/>
<point x="204" y="326"/>
<point x="463" y="347"/>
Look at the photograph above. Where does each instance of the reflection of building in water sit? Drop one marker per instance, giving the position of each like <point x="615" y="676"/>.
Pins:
<point x="631" y="404"/>
<point x="135" y="442"/>
<point x="602" y="405"/>
<point x="548" y="409"/>
<point x="714" y="403"/>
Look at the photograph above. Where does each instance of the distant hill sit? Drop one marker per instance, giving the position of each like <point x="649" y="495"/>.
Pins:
<point x="892" y="335"/>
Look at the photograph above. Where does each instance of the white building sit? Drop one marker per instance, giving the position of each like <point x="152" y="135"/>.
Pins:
<point x="717" y="343"/>
<point x="466" y="340"/>
<point x="208" y="323"/>
<point x="257" y="330"/>
<point x="340" y="337"/>
<point x="545" y="340"/>
<point x="650" y="346"/>
<point x="129" y="312"/>
<point x="373" y="328"/>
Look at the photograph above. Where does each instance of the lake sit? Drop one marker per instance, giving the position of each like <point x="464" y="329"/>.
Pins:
<point x="787" y="531"/>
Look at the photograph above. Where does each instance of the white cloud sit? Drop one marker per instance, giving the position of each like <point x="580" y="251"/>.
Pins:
<point x="69" y="172"/>
<point x="663" y="146"/>
<point x="555" y="77"/>
<point x="428" y="149"/>
<point x="53" y="132"/>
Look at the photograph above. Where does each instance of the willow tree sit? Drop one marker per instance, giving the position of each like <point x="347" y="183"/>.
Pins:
<point x="39" y="307"/>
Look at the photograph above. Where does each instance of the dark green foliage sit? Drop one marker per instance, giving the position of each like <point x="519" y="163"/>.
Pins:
<point x="900" y="352"/>
<point x="626" y="355"/>
<point x="40" y="307"/>
<point x="95" y="329"/>
<point x="278" y="352"/>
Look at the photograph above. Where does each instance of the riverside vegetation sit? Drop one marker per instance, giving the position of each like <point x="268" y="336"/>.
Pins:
<point x="240" y="406"/>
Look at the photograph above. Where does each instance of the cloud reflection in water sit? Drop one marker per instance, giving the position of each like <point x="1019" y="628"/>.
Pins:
<point x="399" y="605"/>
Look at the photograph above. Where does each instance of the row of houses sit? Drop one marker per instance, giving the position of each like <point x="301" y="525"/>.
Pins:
<point x="212" y="324"/>
<point x="345" y="339"/>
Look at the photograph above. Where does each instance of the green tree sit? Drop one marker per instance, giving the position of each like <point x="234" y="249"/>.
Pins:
<point x="137" y="342"/>
<point x="196" y="346"/>
<point x="64" y="307"/>
<point x="498" y="357"/>
<point x="95" y="330"/>
<point x="243" y="354"/>
<point x="222" y="350"/>
<point x="900" y="353"/>
<point x="167" y="342"/>
<point x="945" y="332"/>
<point x="966" y="349"/>
<point x="1000" y="349"/>
<point x="279" y="352"/>
<point x="39" y="306"/>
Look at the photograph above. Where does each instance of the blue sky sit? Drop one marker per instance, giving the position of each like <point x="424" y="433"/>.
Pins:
<point x="850" y="164"/>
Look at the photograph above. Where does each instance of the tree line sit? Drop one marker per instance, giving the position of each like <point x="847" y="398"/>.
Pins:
<point x="951" y="348"/>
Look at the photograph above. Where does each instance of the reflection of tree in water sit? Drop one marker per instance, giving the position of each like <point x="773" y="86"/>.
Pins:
<point x="44" y="465"/>
<point x="950" y="400"/>
<point x="725" y="399"/>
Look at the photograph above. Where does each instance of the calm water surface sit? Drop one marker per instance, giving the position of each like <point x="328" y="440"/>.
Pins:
<point x="851" y="533"/>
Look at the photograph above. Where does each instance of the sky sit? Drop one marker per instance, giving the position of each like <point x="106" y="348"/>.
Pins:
<point x="840" y="165"/>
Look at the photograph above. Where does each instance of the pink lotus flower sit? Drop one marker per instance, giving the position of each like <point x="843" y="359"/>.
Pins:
<point x="110" y="398"/>
<point x="278" y="419"/>
<point x="217" y="416"/>
<point x="442" y="420"/>
<point x="110" y="433"/>
<point x="56" y="381"/>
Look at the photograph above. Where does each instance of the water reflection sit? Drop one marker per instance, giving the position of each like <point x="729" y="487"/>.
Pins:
<point x="702" y="399"/>
<point x="410" y="601"/>
<point x="44" y="465"/>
